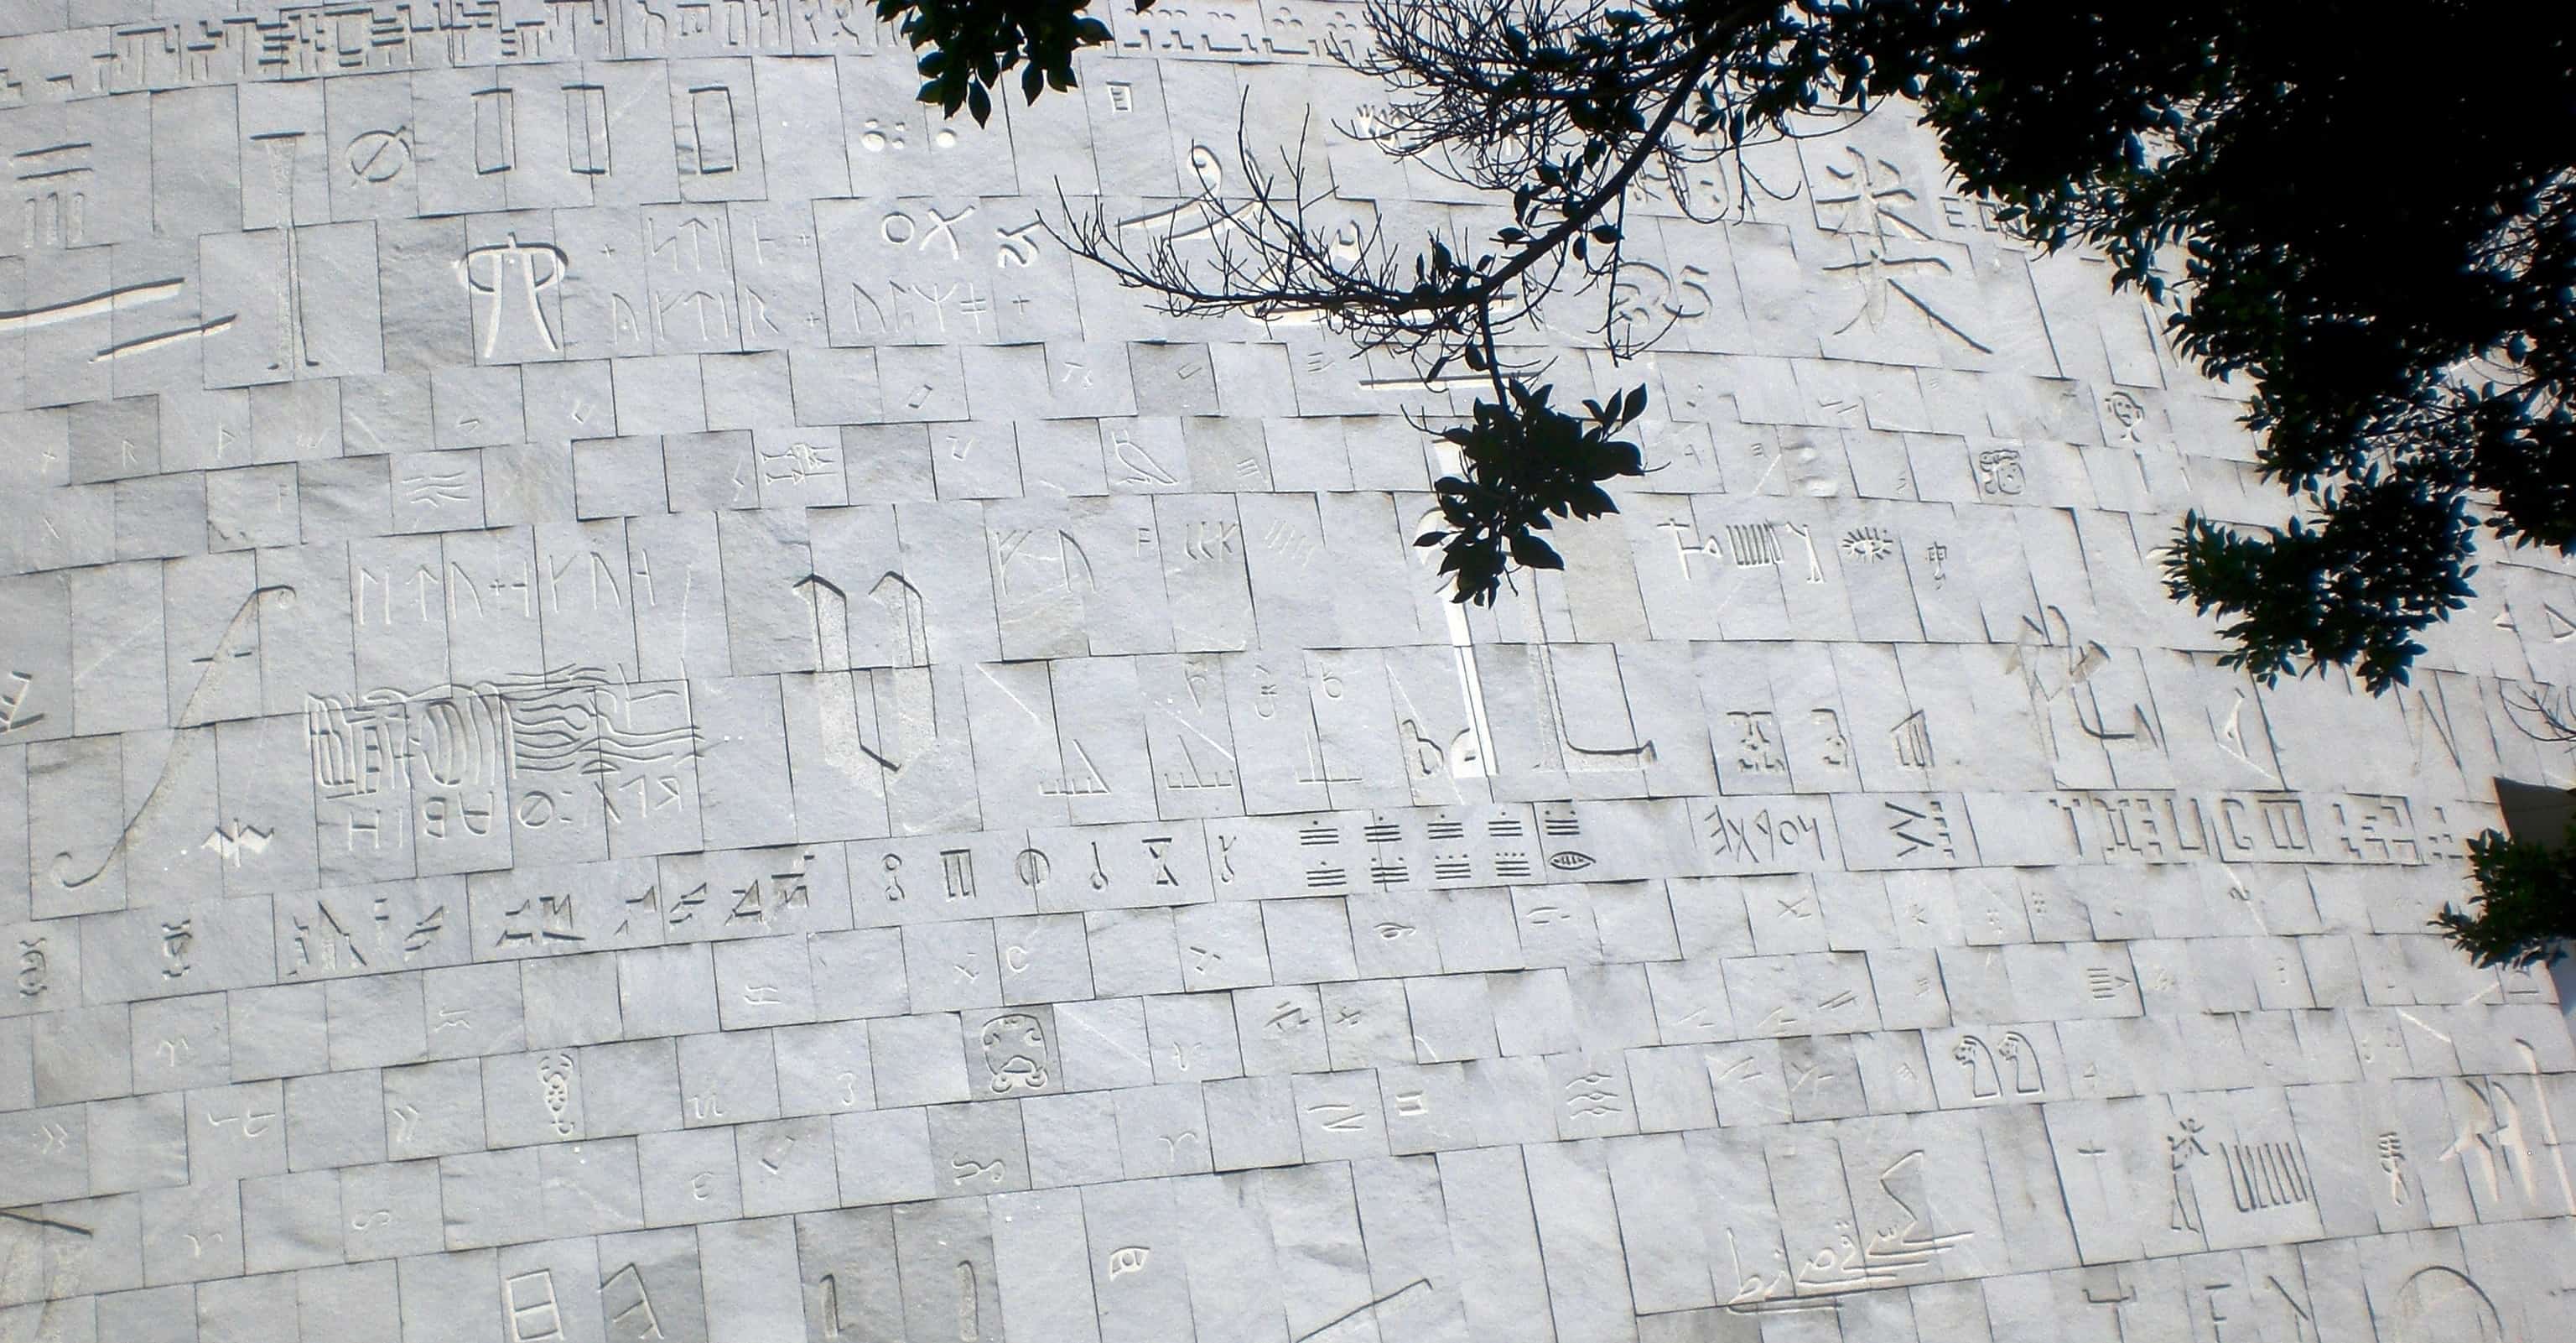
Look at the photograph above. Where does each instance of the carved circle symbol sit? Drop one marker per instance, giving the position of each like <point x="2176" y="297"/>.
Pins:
<point x="380" y="156"/>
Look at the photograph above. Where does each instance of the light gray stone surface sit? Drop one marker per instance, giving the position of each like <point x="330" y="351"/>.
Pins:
<point x="633" y="710"/>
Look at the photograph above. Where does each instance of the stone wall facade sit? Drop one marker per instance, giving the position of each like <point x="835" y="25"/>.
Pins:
<point x="634" y="710"/>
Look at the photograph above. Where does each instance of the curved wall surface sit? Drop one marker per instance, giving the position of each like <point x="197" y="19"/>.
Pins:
<point x="633" y="710"/>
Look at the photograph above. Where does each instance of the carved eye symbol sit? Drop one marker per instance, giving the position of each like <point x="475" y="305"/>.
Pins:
<point x="1392" y="931"/>
<point x="1569" y="861"/>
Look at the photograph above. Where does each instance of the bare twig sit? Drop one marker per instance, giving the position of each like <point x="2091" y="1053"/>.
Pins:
<point x="1564" y="105"/>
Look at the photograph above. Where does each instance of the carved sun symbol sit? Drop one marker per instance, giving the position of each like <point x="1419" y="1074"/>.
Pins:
<point x="1869" y="543"/>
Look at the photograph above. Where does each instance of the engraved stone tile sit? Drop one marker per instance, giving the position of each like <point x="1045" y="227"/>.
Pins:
<point x="17" y="1066"/>
<point x="824" y="1068"/>
<point x="433" y="1109"/>
<point x="290" y="1221"/>
<point x="1103" y="1043"/>
<point x="1044" y="958"/>
<point x="460" y="1285"/>
<point x="137" y="1143"/>
<point x="847" y="1263"/>
<point x="858" y="973"/>
<point x="689" y="1177"/>
<point x="762" y="982"/>
<point x="1162" y="1130"/>
<point x="1284" y="1030"/>
<point x="1135" y="952"/>
<point x="1139" y="1269"/>
<point x="1193" y="1037"/>
<point x="192" y="1234"/>
<point x="944" y="1251"/>
<point x="786" y="1165"/>
<point x="884" y="1156"/>
<point x="650" y="1285"/>
<point x="161" y="1312"/>
<point x="1314" y="1236"/>
<point x="951" y="966"/>
<point x="570" y="1000"/>
<point x="1221" y="947"/>
<point x="728" y="1077"/>
<point x="1366" y="1022"/>
<point x="238" y="1307"/>
<point x="982" y="1147"/>
<point x="1040" y="1257"/>
<point x="1072" y="1139"/>
<point x="916" y="1059"/>
<point x="392" y="1210"/>
<point x="346" y="1301"/>
<point x="630" y="1088"/>
<point x="82" y="1054"/>
<point x="334" y="1119"/>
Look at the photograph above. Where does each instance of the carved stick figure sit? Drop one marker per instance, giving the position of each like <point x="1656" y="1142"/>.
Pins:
<point x="2180" y="1148"/>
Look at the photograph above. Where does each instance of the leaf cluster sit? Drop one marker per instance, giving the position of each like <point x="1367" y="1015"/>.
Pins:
<point x="2380" y="240"/>
<point x="973" y="43"/>
<point x="2525" y="908"/>
<point x="1523" y="463"/>
<point x="2381" y="559"/>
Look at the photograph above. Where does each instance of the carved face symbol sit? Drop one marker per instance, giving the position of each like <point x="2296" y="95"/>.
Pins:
<point x="2125" y="408"/>
<point x="2002" y="469"/>
<point x="1015" y="1053"/>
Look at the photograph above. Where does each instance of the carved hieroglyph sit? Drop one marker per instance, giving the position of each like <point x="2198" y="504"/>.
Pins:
<point x="631" y="710"/>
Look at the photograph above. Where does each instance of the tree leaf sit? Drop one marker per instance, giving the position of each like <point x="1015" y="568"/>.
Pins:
<point x="1532" y="553"/>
